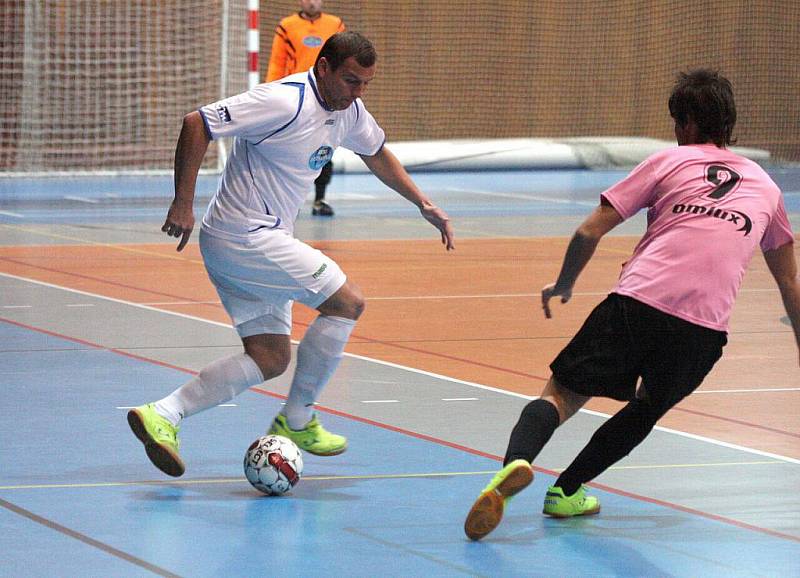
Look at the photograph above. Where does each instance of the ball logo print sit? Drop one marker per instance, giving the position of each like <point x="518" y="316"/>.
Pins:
<point x="273" y="465"/>
<point x="320" y="157"/>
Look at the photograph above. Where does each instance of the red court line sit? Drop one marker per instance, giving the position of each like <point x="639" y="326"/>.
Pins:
<point x="369" y="340"/>
<point x="737" y="421"/>
<point x="217" y="307"/>
<point x="106" y="282"/>
<point x="432" y="439"/>
<point x="96" y="346"/>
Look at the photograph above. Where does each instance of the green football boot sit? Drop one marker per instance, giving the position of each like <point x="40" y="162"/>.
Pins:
<point x="314" y="438"/>
<point x="557" y="505"/>
<point x="487" y="511"/>
<point x="160" y="439"/>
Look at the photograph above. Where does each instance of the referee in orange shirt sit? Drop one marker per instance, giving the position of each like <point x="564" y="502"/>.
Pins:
<point x="297" y="42"/>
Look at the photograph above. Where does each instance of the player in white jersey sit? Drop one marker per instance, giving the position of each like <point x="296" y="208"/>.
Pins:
<point x="285" y="132"/>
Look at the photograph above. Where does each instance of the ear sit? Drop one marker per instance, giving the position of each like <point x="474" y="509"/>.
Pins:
<point x="692" y="131"/>
<point x="323" y="66"/>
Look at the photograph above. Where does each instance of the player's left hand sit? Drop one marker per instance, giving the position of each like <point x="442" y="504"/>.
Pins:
<point x="439" y="219"/>
<point x="550" y="291"/>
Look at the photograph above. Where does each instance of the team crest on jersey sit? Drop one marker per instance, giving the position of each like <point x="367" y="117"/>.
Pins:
<point x="320" y="157"/>
<point x="312" y="41"/>
<point x="223" y="113"/>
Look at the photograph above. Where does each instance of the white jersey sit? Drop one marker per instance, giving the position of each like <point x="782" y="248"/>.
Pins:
<point x="284" y="134"/>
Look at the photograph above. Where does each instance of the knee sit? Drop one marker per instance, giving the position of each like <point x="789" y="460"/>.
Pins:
<point x="355" y="303"/>
<point x="566" y="401"/>
<point x="358" y="305"/>
<point x="643" y="414"/>
<point x="271" y="362"/>
<point x="348" y="302"/>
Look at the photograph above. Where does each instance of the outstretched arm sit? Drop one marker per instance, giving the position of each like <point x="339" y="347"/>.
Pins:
<point x="388" y="169"/>
<point x="783" y="266"/>
<point x="189" y="153"/>
<point x="579" y="252"/>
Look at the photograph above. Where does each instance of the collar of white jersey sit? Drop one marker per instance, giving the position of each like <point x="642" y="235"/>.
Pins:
<point x="312" y="80"/>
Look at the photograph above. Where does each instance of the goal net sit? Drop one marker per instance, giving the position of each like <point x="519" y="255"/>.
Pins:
<point x="102" y="85"/>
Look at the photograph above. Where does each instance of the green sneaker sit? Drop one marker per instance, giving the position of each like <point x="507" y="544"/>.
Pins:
<point x="557" y="505"/>
<point x="314" y="438"/>
<point x="160" y="439"/>
<point x="487" y="511"/>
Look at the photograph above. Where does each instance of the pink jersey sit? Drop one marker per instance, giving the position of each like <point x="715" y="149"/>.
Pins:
<point x="707" y="211"/>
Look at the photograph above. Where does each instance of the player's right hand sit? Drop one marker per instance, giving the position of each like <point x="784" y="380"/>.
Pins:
<point x="548" y="292"/>
<point x="179" y="223"/>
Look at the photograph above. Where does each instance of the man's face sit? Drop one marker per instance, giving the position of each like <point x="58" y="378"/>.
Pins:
<point x="340" y="87"/>
<point x="311" y="7"/>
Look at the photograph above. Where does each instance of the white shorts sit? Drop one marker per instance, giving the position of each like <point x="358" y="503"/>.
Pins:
<point x="259" y="276"/>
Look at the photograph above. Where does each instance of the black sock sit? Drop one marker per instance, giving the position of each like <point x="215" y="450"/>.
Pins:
<point x="321" y="182"/>
<point x="537" y="422"/>
<point x="613" y="441"/>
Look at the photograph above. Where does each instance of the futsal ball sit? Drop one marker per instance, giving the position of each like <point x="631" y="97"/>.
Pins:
<point x="273" y="464"/>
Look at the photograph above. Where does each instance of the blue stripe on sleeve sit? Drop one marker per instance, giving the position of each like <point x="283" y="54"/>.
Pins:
<point x="205" y="125"/>
<point x="302" y="88"/>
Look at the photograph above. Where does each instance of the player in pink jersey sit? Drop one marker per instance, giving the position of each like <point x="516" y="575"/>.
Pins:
<point x="665" y="322"/>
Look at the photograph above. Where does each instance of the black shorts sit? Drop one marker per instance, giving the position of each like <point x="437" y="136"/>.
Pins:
<point x="623" y="339"/>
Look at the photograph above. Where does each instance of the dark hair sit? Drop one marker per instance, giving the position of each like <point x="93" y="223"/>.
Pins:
<point x="705" y="97"/>
<point x="343" y="45"/>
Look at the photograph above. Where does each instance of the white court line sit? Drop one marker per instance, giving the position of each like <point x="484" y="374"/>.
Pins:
<point x="10" y="214"/>
<point x="518" y="295"/>
<point x="521" y="196"/>
<point x="79" y="304"/>
<point x="459" y="399"/>
<point x="756" y="390"/>
<point x="435" y="297"/>
<point x="162" y="303"/>
<point x="380" y="401"/>
<point x="81" y="199"/>
<point x="17" y="306"/>
<point x="412" y="370"/>
<point x="134" y="406"/>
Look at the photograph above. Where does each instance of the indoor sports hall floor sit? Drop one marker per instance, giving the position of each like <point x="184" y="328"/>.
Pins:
<point x="98" y="313"/>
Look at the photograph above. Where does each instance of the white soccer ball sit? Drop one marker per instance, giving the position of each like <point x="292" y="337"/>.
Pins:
<point x="273" y="464"/>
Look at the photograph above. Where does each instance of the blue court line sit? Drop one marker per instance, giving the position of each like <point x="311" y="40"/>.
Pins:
<point x="364" y="526"/>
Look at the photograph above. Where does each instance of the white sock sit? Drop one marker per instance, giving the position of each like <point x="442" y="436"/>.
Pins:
<point x="318" y="356"/>
<point x="217" y="383"/>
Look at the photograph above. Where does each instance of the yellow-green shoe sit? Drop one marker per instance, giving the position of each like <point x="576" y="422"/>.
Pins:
<point x="160" y="439"/>
<point x="487" y="511"/>
<point x="557" y="505"/>
<point x="314" y="438"/>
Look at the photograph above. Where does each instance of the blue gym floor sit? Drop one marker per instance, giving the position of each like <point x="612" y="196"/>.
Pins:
<point x="79" y="498"/>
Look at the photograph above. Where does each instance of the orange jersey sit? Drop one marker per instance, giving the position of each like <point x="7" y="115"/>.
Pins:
<point x="297" y="43"/>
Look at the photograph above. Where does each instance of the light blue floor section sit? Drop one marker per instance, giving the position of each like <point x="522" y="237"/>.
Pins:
<point x="347" y="517"/>
<point x="462" y="194"/>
